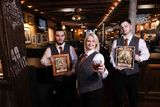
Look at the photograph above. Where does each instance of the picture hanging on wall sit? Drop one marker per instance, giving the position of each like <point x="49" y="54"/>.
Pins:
<point x="27" y="33"/>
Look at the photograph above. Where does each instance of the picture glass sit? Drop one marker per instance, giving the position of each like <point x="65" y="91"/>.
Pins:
<point x="125" y="56"/>
<point x="61" y="64"/>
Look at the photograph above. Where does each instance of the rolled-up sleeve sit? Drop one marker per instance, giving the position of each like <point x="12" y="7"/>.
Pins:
<point x="112" y="54"/>
<point x="46" y="59"/>
<point x="100" y="59"/>
<point x="105" y="74"/>
<point x="144" y="52"/>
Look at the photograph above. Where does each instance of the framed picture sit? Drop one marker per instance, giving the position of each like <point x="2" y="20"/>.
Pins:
<point x="61" y="64"/>
<point x="27" y="33"/>
<point x="44" y="38"/>
<point x="34" y="39"/>
<point x="125" y="56"/>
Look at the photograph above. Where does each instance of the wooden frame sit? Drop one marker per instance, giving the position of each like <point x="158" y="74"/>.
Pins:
<point x="61" y="64"/>
<point x="125" y="56"/>
<point x="44" y="38"/>
<point x="28" y="18"/>
<point x="34" y="39"/>
<point x="27" y="33"/>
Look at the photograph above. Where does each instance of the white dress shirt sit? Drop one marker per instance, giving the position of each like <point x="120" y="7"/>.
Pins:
<point x="98" y="58"/>
<point x="142" y="48"/>
<point x="46" y="59"/>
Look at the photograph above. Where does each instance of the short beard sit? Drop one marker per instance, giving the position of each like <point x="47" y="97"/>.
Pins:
<point x="60" y="43"/>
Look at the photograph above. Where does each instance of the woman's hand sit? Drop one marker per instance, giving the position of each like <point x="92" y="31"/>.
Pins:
<point x="101" y="68"/>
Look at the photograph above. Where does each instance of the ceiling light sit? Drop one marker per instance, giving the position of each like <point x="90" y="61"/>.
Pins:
<point x="115" y="3"/>
<point x="112" y="7"/>
<point x="22" y="1"/>
<point x="63" y="27"/>
<point x="146" y="6"/>
<point x="36" y="10"/>
<point x="29" y="6"/>
<point x="42" y="12"/>
<point x="76" y="17"/>
<point x="83" y="26"/>
<point x="71" y="29"/>
<point x="67" y="10"/>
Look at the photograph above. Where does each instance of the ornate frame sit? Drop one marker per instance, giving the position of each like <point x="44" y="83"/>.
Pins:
<point x="125" y="56"/>
<point x="61" y="64"/>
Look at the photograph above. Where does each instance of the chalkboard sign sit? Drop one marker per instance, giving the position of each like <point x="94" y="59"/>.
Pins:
<point x="13" y="38"/>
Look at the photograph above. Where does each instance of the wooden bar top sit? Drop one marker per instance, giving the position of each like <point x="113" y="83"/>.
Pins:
<point x="35" y="62"/>
<point x="154" y="55"/>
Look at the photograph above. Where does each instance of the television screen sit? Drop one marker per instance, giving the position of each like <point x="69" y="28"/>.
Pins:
<point x="42" y="24"/>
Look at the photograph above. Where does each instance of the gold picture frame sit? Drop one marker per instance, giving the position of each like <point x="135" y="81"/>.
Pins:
<point x="61" y="64"/>
<point x="125" y="57"/>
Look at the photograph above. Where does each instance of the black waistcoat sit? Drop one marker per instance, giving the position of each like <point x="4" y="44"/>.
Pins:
<point x="134" y="42"/>
<point x="54" y="51"/>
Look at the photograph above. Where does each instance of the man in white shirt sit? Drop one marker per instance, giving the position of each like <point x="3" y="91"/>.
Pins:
<point x="127" y="79"/>
<point x="64" y="85"/>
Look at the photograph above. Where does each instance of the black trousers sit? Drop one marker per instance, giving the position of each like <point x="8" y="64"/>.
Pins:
<point x="125" y="89"/>
<point x="64" y="92"/>
<point x="92" y="99"/>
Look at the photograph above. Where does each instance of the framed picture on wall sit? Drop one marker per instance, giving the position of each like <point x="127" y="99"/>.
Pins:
<point x="44" y="38"/>
<point x="34" y="39"/>
<point x="27" y="33"/>
<point x="61" y="64"/>
<point x="125" y="56"/>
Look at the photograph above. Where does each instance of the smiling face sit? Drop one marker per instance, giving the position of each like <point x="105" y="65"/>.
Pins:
<point x="90" y="43"/>
<point x="59" y="37"/>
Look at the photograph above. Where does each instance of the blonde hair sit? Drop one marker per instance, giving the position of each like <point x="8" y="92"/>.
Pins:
<point x="97" y="47"/>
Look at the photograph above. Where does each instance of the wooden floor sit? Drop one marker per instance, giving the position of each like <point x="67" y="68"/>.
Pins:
<point x="144" y="101"/>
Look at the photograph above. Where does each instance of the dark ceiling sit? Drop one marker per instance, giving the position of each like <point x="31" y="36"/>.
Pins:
<point x="92" y="12"/>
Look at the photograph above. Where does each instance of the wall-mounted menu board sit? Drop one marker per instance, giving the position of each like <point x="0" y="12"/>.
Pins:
<point x="12" y="38"/>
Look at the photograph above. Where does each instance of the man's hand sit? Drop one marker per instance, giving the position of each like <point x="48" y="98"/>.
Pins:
<point x="101" y="68"/>
<point x="119" y="68"/>
<point x="137" y="57"/>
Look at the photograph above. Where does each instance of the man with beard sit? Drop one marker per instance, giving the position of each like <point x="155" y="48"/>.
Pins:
<point x="64" y="86"/>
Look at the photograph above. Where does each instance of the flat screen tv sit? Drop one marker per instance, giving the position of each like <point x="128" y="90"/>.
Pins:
<point x="42" y="24"/>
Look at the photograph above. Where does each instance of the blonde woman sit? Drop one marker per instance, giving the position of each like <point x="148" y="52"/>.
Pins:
<point x="90" y="71"/>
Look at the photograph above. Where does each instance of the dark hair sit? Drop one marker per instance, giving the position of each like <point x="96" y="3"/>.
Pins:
<point x="125" y="20"/>
<point x="59" y="29"/>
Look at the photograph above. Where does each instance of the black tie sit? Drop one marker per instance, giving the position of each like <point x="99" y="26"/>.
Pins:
<point x="60" y="48"/>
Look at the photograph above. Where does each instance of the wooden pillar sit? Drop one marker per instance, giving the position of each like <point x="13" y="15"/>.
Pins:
<point x="133" y="13"/>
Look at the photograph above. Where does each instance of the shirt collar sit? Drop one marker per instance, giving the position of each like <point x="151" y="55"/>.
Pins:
<point x="57" y="46"/>
<point x="90" y="52"/>
<point x="129" y="38"/>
